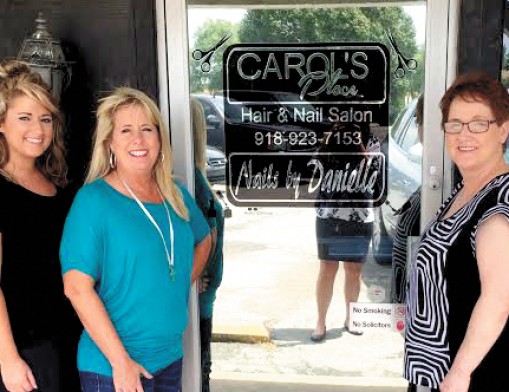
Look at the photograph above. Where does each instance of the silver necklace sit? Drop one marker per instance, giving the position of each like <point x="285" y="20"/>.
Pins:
<point x="169" y="254"/>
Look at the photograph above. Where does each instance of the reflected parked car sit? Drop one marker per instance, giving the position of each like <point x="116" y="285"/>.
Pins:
<point x="214" y="118"/>
<point x="404" y="177"/>
<point x="216" y="115"/>
<point x="215" y="165"/>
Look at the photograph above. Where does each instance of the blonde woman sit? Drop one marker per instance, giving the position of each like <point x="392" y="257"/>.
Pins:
<point x="33" y="206"/>
<point x="127" y="252"/>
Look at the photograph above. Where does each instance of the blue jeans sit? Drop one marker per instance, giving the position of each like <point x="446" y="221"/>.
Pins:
<point x="168" y="379"/>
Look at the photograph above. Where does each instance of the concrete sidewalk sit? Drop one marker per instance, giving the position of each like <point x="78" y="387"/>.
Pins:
<point x="265" y="312"/>
<point x="277" y="383"/>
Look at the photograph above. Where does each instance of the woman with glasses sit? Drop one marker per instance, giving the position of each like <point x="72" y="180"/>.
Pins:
<point x="457" y="338"/>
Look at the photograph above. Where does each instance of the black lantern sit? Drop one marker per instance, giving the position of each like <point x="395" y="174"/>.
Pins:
<point x="45" y="56"/>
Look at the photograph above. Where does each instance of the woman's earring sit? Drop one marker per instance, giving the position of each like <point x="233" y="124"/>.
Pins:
<point x="113" y="160"/>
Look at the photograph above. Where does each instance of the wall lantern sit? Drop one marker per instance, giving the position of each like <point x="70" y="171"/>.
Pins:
<point x="45" y="56"/>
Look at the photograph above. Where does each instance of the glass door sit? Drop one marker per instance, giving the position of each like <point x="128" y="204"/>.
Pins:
<point x="314" y="148"/>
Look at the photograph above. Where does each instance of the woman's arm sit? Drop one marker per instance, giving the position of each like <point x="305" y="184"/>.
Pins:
<point x="79" y="288"/>
<point x="213" y="242"/>
<point x="491" y="311"/>
<point x="204" y="279"/>
<point x="201" y="255"/>
<point x="16" y="374"/>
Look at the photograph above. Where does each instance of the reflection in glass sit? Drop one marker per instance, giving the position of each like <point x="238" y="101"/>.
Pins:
<point x="409" y="136"/>
<point x="504" y="73"/>
<point x="271" y="259"/>
<point x="211" y="208"/>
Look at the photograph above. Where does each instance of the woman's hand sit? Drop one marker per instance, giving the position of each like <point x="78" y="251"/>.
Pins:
<point x="201" y="255"/>
<point x="17" y="376"/>
<point x="455" y="381"/>
<point x="204" y="283"/>
<point x="127" y="376"/>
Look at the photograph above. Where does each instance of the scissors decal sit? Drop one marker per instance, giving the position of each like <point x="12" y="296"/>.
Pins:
<point x="205" y="56"/>
<point x="404" y="64"/>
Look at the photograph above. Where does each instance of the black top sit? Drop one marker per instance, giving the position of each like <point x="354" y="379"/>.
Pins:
<point x="31" y="281"/>
<point x="444" y="288"/>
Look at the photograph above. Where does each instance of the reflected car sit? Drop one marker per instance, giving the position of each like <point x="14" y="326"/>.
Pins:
<point x="215" y="165"/>
<point x="404" y="177"/>
<point x="216" y="116"/>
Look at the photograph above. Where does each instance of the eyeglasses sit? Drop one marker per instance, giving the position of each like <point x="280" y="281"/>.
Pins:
<point x="476" y="126"/>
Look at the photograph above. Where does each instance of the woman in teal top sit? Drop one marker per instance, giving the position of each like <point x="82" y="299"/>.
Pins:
<point x="213" y="212"/>
<point x="212" y="273"/>
<point x="133" y="242"/>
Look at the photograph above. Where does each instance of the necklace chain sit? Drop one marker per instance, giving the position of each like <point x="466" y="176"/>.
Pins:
<point x="169" y="253"/>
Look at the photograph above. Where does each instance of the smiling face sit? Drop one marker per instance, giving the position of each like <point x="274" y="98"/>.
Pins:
<point x="474" y="151"/>
<point x="27" y="128"/>
<point x="135" y="140"/>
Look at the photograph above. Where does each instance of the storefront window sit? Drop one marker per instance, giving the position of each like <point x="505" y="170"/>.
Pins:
<point x="265" y="310"/>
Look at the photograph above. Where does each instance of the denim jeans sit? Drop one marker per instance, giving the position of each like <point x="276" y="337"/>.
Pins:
<point x="165" y="380"/>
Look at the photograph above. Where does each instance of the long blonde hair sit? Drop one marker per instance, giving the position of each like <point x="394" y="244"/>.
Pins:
<point x="16" y="79"/>
<point x="199" y="126"/>
<point x="100" y="164"/>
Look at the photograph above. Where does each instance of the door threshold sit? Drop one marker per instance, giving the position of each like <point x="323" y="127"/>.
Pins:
<point x="233" y="381"/>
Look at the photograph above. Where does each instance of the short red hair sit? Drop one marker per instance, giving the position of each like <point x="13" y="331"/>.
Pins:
<point x="478" y="86"/>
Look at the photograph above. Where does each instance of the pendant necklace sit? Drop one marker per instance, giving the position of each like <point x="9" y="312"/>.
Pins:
<point x="169" y="254"/>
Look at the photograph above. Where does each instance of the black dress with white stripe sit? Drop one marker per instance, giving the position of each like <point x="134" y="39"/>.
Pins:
<point x="444" y="288"/>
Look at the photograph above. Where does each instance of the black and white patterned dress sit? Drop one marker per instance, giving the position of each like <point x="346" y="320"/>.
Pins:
<point x="408" y="226"/>
<point x="444" y="288"/>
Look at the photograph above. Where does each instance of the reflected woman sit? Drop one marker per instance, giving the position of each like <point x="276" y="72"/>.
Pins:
<point x="408" y="225"/>
<point x="343" y="235"/>
<point x="211" y="208"/>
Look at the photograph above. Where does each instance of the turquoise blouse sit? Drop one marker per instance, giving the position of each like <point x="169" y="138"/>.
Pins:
<point x="107" y="236"/>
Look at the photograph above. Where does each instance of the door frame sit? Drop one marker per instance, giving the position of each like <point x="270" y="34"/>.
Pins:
<point x="442" y="20"/>
<point x="173" y="71"/>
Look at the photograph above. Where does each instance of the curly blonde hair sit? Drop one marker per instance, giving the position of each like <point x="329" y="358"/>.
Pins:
<point x="16" y="79"/>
